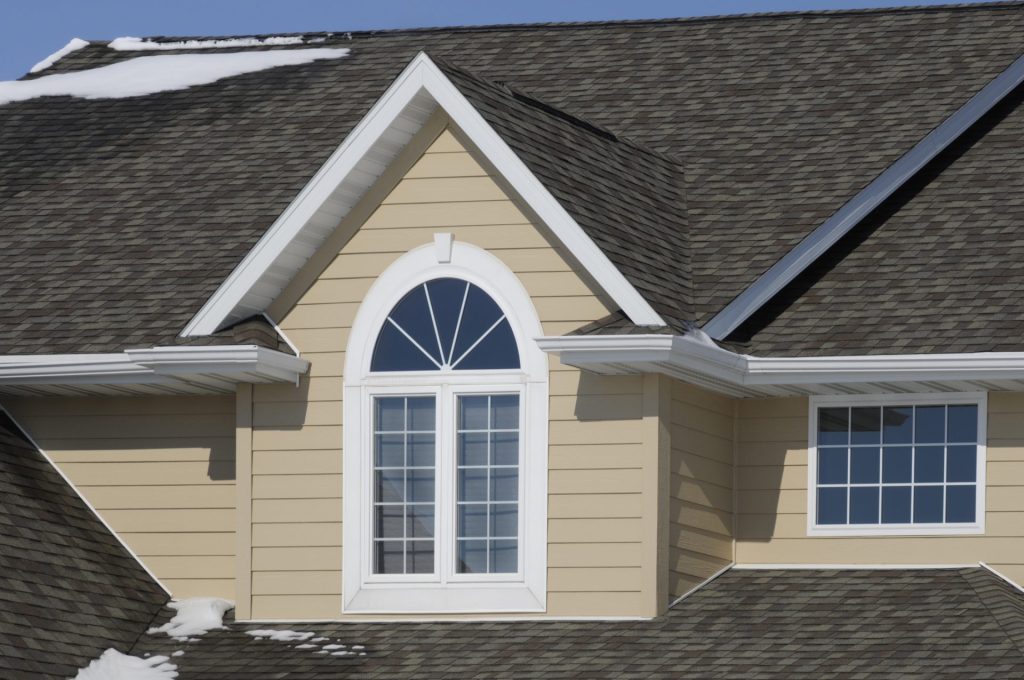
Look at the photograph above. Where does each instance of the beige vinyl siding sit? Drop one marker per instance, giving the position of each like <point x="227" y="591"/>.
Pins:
<point x="159" y="470"/>
<point x="597" y="456"/>
<point x="773" y="497"/>
<point x="701" y="496"/>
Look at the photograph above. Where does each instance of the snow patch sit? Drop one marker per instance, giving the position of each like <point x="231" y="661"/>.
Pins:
<point x="161" y="73"/>
<point x="113" y="665"/>
<point x="73" y="45"/>
<point x="194" y="616"/>
<point x="280" y="635"/>
<point x="130" y="44"/>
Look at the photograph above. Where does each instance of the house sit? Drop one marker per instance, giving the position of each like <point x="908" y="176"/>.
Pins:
<point x="680" y="348"/>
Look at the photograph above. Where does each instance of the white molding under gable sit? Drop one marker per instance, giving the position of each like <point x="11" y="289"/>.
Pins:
<point x="354" y="167"/>
<point x="857" y="208"/>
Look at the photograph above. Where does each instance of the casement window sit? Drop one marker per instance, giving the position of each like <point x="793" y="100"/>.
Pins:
<point x="897" y="465"/>
<point x="445" y="442"/>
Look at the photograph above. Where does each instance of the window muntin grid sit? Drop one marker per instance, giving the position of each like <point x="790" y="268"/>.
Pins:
<point x="404" y="469"/>
<point x="487" y="499"/>
<point x="897" y="465"/>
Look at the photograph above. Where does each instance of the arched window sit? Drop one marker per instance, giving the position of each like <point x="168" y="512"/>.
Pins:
<point x="445" y="431"/>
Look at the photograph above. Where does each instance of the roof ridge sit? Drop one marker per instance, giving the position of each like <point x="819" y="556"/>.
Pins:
<point x="601" y="23"/>
<point x="1016" y="638"/>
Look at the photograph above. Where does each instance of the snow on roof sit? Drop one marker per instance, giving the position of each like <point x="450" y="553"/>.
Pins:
<point x="194" y="616"/>
<point x="148" y="75"/>
<point x="73" y="44"/>
<point x="280" y="635"/>
<point x="130" y="44"/>
<point x="113" y="665"/>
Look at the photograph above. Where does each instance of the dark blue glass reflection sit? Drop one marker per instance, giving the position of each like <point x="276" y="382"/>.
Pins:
<point x="832" y="505"/>
<point x="960" y="503"/>
<point x="927" y="504"/>
<point x="864" y="505"/>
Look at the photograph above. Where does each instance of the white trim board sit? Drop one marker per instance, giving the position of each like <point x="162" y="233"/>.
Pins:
<point x="696" y="359"/>
<point x="857" y="208"/>
<point x="353" y="168"/>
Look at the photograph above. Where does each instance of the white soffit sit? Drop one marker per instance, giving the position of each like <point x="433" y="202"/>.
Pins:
<point x="858" y="207"/>
<point x="357" y="164"/>
<point x="695" y="359"/>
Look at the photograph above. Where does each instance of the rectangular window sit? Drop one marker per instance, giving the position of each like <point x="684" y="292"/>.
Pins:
<point x="905" y="466"/>
<point x="403" y="485"/>
<point x="488" y="484"/>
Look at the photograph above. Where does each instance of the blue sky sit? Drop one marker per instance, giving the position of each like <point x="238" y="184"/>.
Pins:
<point x="32" y="29"/>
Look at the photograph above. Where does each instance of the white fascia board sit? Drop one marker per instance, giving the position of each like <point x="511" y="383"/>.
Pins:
<point x="858" y="207"/>
<point x="646" y="353"/>
<point x="161" y="365"/>
<point x="420" y="82"/>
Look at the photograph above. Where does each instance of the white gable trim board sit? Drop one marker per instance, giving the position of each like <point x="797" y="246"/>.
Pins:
<point x="354" y="167"/>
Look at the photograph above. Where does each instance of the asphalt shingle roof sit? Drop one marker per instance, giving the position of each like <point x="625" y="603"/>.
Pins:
<point x="68" y="588"/>
<point x="118" y="218"/>
<point x="911" y="625"/>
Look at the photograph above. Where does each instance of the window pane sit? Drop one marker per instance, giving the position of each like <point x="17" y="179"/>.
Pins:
<point x="390" y="414"/>
<point x="421" y="486"/>
<point x="473" y="413"/>
<point x="389" y="521"/>
<point x="504" y="520"/>
<point x="420" y="521"/>
<point x="896" y="505"/>
<point x="928" y="463"/>
<point x="412" y="315"/>
<point x="865" y="425"/>
<point x="473" y="520"/>
<point x="896" y="464"/>
<point x="927" y="504"/>
<point x="833" y="426"/>
<point x="832" y="506"/>
<point x="960" y="503"/>
<point x="390" y="450"/>
<point x="505" y="448"/>
<point x="394" y="352"/>
<point x="389" y="557"/>
<point x="421" y="450"/>
<point x="446" y="296"/>
<point x="473" y="448"/>
<point x="963" y="424"/>
<point x="504" y="557"/>
<point x="473" y="485"/>
<point x="421" y="414"/>
<point x="505" y="412"/>
<point x="897" y="424"/>
<point x="497" y="350"/>
<point x="420" y="557"/>
<point x="961" y="463"/>
<point x="472" y="557"/>
<point x="832" y="466"/>
<point x="390" y="486"/>
<point x="480" y="314"/>
<point x="864" y="465"/>
<point x="504" y="484"/>
<point x="930" y="425"/>
<point x="864" y="505"/>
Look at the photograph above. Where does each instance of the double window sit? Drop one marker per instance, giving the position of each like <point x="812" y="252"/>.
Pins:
<point x="908" y="465"/>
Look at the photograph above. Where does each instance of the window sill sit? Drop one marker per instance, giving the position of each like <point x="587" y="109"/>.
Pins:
<point x="874" y="530"/>
<point x="421" y="598"/>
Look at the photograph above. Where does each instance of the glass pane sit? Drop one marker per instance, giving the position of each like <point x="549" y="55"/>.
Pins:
<point x="420" y="557"/>
<point x="927" y="504"/>
<point x="962" y="464"/>
<point x="473" y="485"/>
<point x="389" y="557"/>
<point x="865" y="425"/>
<point x="473" y="520"/>
<point x="864" y="465"/>
<point x="963" y="424"/>
<point x="864" y="505"/>
<point x="960" y="503"/>
<point x="446" y="297"/>
<point x="897" y="424"/>
<point x="504" y="484"/>
<point x="421" y="486"/>
<point x="930" y="425"/>
<point x="473" y="413"/>
<point x="421" y="414"/>
<point x="421" y="450"/>
<point x="504" y="557"/>
<point x="473" y="448"/>
<point x="420" y="521"/>
<point x="472" y="557"/>
<point x="896" y="464"/>
<point x="505" y="448"/>
<point x="412" y="314"/>
<point x="504" y="520"/>
<point x="832" y="506"/>
<point x="390" y="414"/>
<point x="390" y="450"/>
<point x="896" y="505"/>
<point x="497" y="350"/>
<point x="480" y="314"/>
<point x="390" y="486"/>
<point x="389" y="521"/>
<point x="929" y="462"/>
<point x="394" y="352"/>
<point x="832" y="466"/>
<point x="833" y="426"/>
<point x="505" y="412"/>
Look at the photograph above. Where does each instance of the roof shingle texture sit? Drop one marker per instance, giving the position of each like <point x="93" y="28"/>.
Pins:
<point x="118" y="218"/>
<point x="68" y="588"/>
<point x="913" y="624"/>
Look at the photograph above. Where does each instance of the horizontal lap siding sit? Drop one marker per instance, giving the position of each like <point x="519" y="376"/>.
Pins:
<point x="773" y="496"/>
<point x="701" y="486"/>
<point x="595" y="484"/>
<point x="159" y="470"/>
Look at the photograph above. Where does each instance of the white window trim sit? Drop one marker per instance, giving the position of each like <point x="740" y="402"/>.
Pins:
<point x="364" y="592"/>
<point x="974" y="528"/>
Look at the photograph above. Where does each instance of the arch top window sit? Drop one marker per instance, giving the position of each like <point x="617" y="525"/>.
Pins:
<point x="445" y="324"/>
